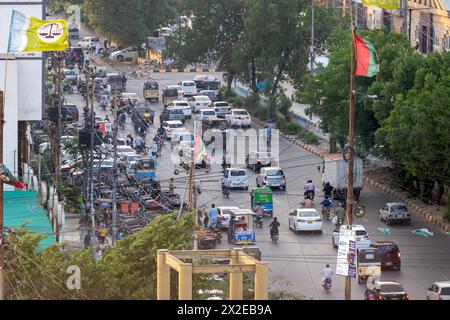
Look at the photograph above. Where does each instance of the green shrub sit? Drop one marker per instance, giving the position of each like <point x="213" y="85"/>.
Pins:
<point x="308" y="138"/>
<point x="291" y="128"/>
<point x="446" y="214"/>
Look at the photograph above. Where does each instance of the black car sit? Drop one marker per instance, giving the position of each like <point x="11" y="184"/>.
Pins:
<point x="202" y="81"/>
<point x="389" y="254"/>
<point x="385" y="290"/>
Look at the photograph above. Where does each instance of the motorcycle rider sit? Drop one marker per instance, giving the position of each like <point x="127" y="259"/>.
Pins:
<point x="306" y="203"/>
<point x="327" y="274"/>
<point x="267" y="134"/>
<point x="154" y="149"/>
<point x="339" y="216"/>
<point x="310" y="189"/>
<point x="124" y="81"/>
<point x="259" y="212"/>
<point x="130" y="140"/>
<point x="328" y="189"/>
<point x="161" y="133"/>
<point x="104" y="102"/>
<point x="326" y="204"/>
<point x="274" y="225"/>
<point x="139" y="144"/>
<point x="122" y="120"/>
<point x="226" y="184"/>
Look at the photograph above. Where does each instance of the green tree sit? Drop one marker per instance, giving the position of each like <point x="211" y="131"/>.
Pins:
<point x="216" y="29"/>
<point x="416" y="133"/>
<point x="127" y="23"/>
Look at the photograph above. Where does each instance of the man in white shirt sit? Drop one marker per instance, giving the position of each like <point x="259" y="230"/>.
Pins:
<point x="327" y="273"/>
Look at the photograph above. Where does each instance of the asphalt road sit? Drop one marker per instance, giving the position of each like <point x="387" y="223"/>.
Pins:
<point x="297" y="260"/>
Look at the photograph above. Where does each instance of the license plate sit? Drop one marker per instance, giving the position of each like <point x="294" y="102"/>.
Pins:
<point x="310" y="222"/>
<point x="389" y="263"/>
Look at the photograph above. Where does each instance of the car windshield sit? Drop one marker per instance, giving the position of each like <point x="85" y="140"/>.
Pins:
<point x="70" y="73"/>
<point x="213" y="85"/>
<point x="203" y="99"/>
<point x="133" y="158"/>
<point x="361" y="232"/>
<point x="187" y="137"/>
<point x="399" y="208"/>
<point x="181" y="104"/>
<point x="390" y="248"/>
<point x="222" y="105"/>
<point x="274" y="173"/>
<point x="189" y="84"/>
<point x="240" y="173"/>
<point x="305" y="214"/>
<point x="209" y="113"/>
<point x="125" y="149"/>
<point x="445" y="291"/>
<point x="241" y="113"/>
<point x="151" y="86"/>
<point x="391" y="287"/>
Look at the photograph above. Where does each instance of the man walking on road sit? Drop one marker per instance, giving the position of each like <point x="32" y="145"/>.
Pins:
<point x="213" y="215"/>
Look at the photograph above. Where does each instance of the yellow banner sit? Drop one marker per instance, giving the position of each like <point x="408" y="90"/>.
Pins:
<point x="383" y="4"/>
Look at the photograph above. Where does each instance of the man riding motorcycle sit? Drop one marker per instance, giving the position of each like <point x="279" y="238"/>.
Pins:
<point x="274" y="225"/>
<point x="140" y="144"/>
<point x="161" y="133"/>
<point x="310" y="189"/>
<point x="327" y="275"/>
<point x="326" y="205"/>
<point x="328" y="190"/>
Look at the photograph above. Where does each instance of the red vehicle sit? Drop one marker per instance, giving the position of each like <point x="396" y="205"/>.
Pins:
<point x="389" y="254"/>
<point x="386" y="290"/>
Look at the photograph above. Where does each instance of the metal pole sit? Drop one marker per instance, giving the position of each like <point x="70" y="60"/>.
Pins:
<point x="409" y="26"/>
<point x="39" y="167"/>
<point x="114" y="194"/>
<point x="91" y="165"/>
<point x="351" y="141"/>
<point x="2" y="252"/>
<point x="312" y="56"/>
<point x="58" y="147"/>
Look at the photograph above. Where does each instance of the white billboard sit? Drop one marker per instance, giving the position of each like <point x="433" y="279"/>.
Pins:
<point x="347" y="254"/>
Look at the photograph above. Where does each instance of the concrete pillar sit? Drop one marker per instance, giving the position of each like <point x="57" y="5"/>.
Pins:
<point x="185" y="282"/>
<point x="236" y="278"/>
<point x="261" y="281"/>
<point x="162" y="276"/>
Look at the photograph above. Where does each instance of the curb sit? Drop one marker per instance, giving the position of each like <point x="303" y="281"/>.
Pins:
<point x="182" y="70"/>
<point x="413" y="204"/>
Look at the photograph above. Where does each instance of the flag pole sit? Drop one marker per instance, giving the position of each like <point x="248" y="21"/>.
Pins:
<point x="351" y="143"/>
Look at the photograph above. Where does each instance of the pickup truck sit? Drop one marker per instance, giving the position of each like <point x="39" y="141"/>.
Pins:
<point x="256" y="160"/>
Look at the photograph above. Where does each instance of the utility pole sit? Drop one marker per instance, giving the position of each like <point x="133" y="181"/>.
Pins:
<point x="2" y="251"/>
<point x="351" y="143"/>
<point x="312" y="56"/>
<point x="91" y="165"/>
<point x="58" y="147"/>
<point x="114" y="194"/>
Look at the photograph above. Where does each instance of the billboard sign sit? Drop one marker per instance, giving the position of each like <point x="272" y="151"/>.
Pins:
<point x="347" y="254"/>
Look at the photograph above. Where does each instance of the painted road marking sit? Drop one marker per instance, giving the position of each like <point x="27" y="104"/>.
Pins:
<point x="277" y="201"/>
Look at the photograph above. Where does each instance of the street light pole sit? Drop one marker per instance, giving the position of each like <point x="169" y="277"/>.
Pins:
<point x="312" y="57"/>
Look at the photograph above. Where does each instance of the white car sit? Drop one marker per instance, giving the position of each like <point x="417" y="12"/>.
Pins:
<point x="205" y="114"/>
<point x="239" y="118"/>
<point x="70" y="76"/>
<point x="222" y="108"/>
<point x="88" y="42"/>
<point x="189" y="88"/>
<point x="362" y="237"/>
<point x="123" y="151"/>
<point x="130" y="95"/>
<point x="395" y="212"/>
<point x="180" y="91"/>
<point x="272" y="177"/>
<point x="238" y="178"/>
<point x="183" y="105"/>
<point x="305" y="220"/>
<point x="121" y="142"/>
<point x="224" y="216"/>
<point x="200" y="102"/>
<point x="173" y="126"/>
<point x="130" y="158"/>
<point x="439" y="291"/>
<point x="128" y="53"/>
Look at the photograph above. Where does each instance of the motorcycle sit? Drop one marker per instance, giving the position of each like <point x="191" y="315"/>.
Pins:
<point x="274" y="235"/>
<point x="327" y="285"/>
<point x="259" y="222"/>
<point x="67" y="88"/>
<point x="225" y="192"/>
<point x="104" y="106"/>
<point x="142" y="150"/>
<point x="326" y="213"/>
<point x="310" y="194"/>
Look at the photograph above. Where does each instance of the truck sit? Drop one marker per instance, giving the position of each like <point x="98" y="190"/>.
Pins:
<point x="335" y="173"/>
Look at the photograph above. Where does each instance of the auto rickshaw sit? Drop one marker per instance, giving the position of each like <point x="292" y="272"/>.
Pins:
<point x="146" y="168"/>
<point x="264" y="198"/>
<point x="151" y="91"/>
<point x="241" y="227"/>
<point x="369" y="264"/>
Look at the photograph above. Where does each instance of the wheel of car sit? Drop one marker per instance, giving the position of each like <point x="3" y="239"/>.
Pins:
<point x="246" y="188"/>
<point x="120" y="58"/>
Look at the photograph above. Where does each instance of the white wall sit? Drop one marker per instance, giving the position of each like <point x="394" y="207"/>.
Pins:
<point x="10" y="129"/>
<point x="29" y="65"/>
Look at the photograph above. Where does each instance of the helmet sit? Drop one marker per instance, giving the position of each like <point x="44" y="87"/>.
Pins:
<point x="327" y="266"/>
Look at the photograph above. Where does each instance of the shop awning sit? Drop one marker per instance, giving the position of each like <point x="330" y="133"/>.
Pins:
<point x="23" y="207"/>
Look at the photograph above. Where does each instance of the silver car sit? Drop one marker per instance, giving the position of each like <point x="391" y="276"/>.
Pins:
<point x="272" y="177"/>
<point x="395" y="212"/>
